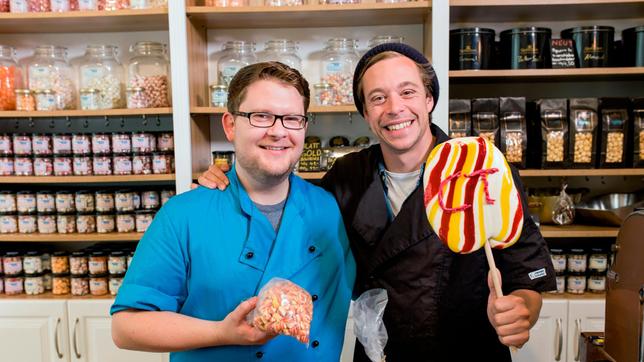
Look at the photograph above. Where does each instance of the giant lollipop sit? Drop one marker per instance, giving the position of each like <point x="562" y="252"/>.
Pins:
<point x="470" y="198"/>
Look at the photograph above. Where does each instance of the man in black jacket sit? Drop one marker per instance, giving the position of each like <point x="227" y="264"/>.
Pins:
<point x="441" y="304"/>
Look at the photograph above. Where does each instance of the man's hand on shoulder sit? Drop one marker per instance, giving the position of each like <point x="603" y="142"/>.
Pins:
<point x="213" y="178"/>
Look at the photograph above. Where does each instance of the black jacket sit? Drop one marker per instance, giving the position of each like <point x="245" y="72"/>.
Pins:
<point x="437" y="299"/>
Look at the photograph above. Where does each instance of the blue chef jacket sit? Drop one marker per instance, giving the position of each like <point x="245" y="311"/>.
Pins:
<point x="207" y="250"/>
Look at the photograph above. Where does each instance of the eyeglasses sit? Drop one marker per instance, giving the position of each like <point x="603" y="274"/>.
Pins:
<point x="267" y="120"/>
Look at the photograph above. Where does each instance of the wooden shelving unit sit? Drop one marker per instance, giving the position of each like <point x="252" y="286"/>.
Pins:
<point x="85" y="21"/>
<point x="579" y="231"/>
<point x="73" y="237"/>
<point x="82" y="113"/>
<point x="86" y="179"/>
<point x="310" y="15"/>
<point x="312" y="109"/>
<point x="624" y="73"/>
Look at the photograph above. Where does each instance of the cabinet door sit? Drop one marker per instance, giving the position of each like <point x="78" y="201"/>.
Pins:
<point x="583" y="316"/>
<point x="547" y="337"/>
<point x="33" y="330"/>
<point x="90" y="335"/>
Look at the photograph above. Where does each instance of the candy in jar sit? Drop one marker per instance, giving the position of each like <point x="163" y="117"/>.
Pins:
<point x="23" y="166"/>
<point x="10" y="76"/>
<point x="121" y="143"/>
<point x="6" y="166"/>
<point x="284" y="308"/>
<point x="6" y="144"/>
<point x="81" y="144"/>
<point x="22" y="144"/>
<point x="43" y="166"/>
<point x="41" y="144"/>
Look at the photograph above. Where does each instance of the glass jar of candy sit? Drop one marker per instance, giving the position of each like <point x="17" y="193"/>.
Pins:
<point x="100" y="70"/>
<point x="149" y="69"/>
<point x="10" y="78"/>
<point x="50" y="71"/>
<point x="283" y="50"/>
<point x="383" y="39"/>
<point x="236" y="55"/>
<point x="338" y="63"/>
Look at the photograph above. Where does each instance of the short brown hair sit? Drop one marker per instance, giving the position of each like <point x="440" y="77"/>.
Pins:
<point x="262" y="71"/>
<point x="425" y="70"/>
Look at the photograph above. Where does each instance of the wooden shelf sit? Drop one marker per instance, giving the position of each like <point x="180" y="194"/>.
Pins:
<point x="570" y="296"/>
<point x="310" y="15"/>
<point x="81" y="113"/>
<point x="86" y="179"/>
<point x="85" y="21"/>
<point x="312" y="109"/>
<point x="578" y="231"/>
<point x="74" y="237"/>
<point x="50" y="295"/>
<point x="584" y="172"/>
<point x="524" y="75"/>
<point x="311" y="175"/>
<point x="525" y="11"/>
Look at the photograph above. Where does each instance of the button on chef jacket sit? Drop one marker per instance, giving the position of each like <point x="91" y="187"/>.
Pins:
<point x="208" y="250"/>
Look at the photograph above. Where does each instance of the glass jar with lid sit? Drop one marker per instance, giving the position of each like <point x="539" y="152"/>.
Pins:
<point x="218" y="95"/>
<point x="100" y="70"/>
<point x="10" y="78"/>
<point x="598" y="260"/>
<point x="338" y="63"/>
<point x="282" y="50"/>
<point x="236" y="55"/>
<point x="149" y="69"/>
<point x="34" y="283"/>
<point x="25" y="100"/>
<point x="558" y="260"/>
<point x="596" y="282"/>
<point x="50" y="70"/>
<point x="576" y="261"/>
<point x="384" y="39"/>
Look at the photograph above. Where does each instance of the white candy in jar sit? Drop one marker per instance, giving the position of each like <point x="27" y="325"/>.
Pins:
<point x="65" y="202"/>
<point x="141" y="164"/>
<point x="63" y="165"/>
<point x="110" y="91"/>
<point x="6" y="166"/>
<point x="23" y="166"/>
<point x="105" y="223"/>
<point x="21" y="144"/>
<point x="122" y="164"/>
<point x="43" y="166"/>
<point x="81" y="144"/>
<point x="125" y="222"/>
<point x="45" y="201"/>
<point x="7" y="202"/>
<point x="162" y="163"/>
<point x="27" y="223"/>
<point x="102" y="165"/>
<point x="8" y="224"/>
<point x="60" y="6"/>
<point x="101" y="144"/>
<point x="143" y="142"/>
<point x="143" y="220"/>
<point x="45" y="100"/>
<point x="62" y="144"/>
<point x="150" y="199"/>
<point x="25" y="201"/>
<point x="121" y="143"/>
<point x="46" y="223"/>
<point x="66" y="224"/>
<point x="6" y="146"/>
<point x="41" y="144"/>
<point x="85" y="223"/>
<point x="124" y="200"/>
<point x="166" y="195"/>
<point x="84" y="201"/>
<point x="82" y="165"/>
<point x="165" y="141"/>
<point x="104" y="201"/>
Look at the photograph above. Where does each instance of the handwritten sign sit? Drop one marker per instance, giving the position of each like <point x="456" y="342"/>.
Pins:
<point x="310" y="159"/>
<point x="562" y="53"/>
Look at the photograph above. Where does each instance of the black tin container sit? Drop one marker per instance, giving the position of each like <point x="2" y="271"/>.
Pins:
<point x="471" y="48"/>
<point x="593" y="45"/>
<point x="526" y="48"/>
<point x="633" y="39"/>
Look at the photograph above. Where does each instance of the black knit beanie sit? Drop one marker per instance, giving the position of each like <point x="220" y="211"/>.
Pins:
<point x="403" y="49"/>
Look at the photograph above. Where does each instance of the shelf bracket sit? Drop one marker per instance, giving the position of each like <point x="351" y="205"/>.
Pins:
<point x="350" y="118"/>
<point x="69" y="122"/>
<point x="107" y="121"/>
<point x="145" y="120"/>
<point x="52" y="123"/>
<point x="158" y="120"/>
<point x="31" y="122"/>
<point x="122" y="121"/>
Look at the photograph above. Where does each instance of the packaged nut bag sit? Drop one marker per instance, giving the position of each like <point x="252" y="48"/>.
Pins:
<point x="638" y="132"/>
<point x="485" y="119"/>
<point x="553" y="114"/>
<point x="285" y="308"/>
<point x="460" y="123"/>
<point x="614" y="132"/>
<point x="514" y="135"/>
<point x="584" y="127"/>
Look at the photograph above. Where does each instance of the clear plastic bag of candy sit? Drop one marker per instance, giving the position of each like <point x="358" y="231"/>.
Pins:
<point x="368" y="325"/>
<point x="563" y="212"/>
<point x="283" y="307"/>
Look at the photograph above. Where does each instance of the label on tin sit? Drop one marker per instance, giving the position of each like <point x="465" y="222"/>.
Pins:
<point x="562" y="53"/>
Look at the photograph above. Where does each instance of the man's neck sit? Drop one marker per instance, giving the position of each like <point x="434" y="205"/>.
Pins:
<point x="267" y="191"/>
<point x="410" y="160"/>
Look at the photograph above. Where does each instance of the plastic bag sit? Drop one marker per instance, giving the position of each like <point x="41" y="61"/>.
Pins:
<point x="564" y="209"/>
<point x="285" y="308"/>
<point x="368" y="325"/>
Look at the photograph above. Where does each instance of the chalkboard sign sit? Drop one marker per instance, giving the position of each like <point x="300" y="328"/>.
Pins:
<point x="310" y="159"/>
<point x="563" y="53"/>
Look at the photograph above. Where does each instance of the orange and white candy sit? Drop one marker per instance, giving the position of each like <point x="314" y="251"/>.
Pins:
<point x="470" y="195"/>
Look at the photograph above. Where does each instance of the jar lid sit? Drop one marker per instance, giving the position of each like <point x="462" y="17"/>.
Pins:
<point x="474" y="30"/>
<point x="79" y="253"/>
<point x="577" y="251"/>
<point x="117" y="253"/>
<point x="6" y="192"/>
<point x="12" y="253"/>
<point x="118" y="213"/>
<point x="576" y="274"/>
<point x="7" y="213"/>
<point x="523" y="30"/>
<point x="598" y="250"/>
<point x="361" y="141"/>
<point x="338" y="141"/>
<point x="25" y="192"/>
<point x="100" y="275"/>
<point x="105" y="213"/>
<point x="322" y="86"/>
<point x="76" y="276"/>
<point x="43" y="192"/>
<point x="60" y="253"/>
<point x="84" y="214"/>
<point x="46" y="91"/>
<point x="218" y="87"/>
<point x="64" y="192"/>
<point x="141" y="212"/>
<point x="84" y="192"/>
<point x="66" y="155"/>
<point x="134" y="89"/>
<point x="104" y="192"/>
<point x="123" y="191"/>
<point x="119" y="275"/>
<point x="556" y="251"/>
<point x="32" y="213"/>
<point x="98" y="253"/>
<point x="33" y="253"/>
<point x="89" y="90"/>
<point x="636" y="29"/>
<point x="33" y="275"/>
<point x="586" y="29"/>
<point x="60" y="275"/>
<point x="22" y="91"/>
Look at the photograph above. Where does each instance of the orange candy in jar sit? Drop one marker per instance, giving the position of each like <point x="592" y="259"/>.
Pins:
<point x="10" y="78"/>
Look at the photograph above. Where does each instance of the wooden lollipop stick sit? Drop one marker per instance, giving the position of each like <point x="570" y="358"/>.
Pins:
<point x="495" y="277"/>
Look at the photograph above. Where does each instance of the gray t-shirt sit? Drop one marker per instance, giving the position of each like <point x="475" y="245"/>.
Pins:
<point x="272" y="212"/>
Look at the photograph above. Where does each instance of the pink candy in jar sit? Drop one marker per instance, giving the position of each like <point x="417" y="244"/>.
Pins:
<point x="23" y="166"/>
<point x="62" y="165"/>
<point x="6" y="145"/>
<point x="143" y="142"/>
<point x="21" y="144"/>
<point x="101" y="144"/>
<point x="38" y="6"/>
<point x="62" y="144"/>
<point x="41" y="144"/>
<point x="122" y="164"/>
<point x="43" y="166"/>
<point x="82" y="165"/>
<point x="6" y="165"/>
<point x="102" y="165"/>
<point x="162" y="162"/>
<point x="81" y="144"/>
<point x="141" y="164"/>
<point x="165" y="141"/>
<point x="121" y="143"/>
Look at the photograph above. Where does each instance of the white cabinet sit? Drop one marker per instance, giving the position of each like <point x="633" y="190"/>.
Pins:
<point x="90" y="335"/>
<point x="62" y="331"/>
<point x="555" y="336"/>
<point x="34" y="330"/>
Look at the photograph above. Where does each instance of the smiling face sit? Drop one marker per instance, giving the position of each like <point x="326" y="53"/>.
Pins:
<point x="268" y="155"/>
<point x="396" y="107"/>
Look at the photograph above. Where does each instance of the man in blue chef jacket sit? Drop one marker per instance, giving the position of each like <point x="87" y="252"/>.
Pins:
<point x="207" y="253"/>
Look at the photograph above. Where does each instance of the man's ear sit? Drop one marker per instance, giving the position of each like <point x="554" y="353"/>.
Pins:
<point x="430" y="102"/>
<point x="228" y="124"/>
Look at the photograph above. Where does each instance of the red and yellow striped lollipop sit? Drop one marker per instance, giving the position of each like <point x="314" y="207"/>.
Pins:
<point x="470" y="196"/>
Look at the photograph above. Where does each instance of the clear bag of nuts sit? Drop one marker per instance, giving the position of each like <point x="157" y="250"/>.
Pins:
<point x="485" y="119"/>
<point x="554" y="132"/>
<point x="460" y="122"/>
<point x="614" y="130"/>
<point x="584" y="127"/>
<point x="638" y="134"/>
<point x="514" y="133"/>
